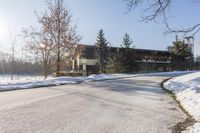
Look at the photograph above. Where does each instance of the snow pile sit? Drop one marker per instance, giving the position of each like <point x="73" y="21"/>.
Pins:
<point x="33" y="83"/>
<point x="187" y="91"/>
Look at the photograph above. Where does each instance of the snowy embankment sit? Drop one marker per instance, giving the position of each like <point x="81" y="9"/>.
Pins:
<point x="33" y="82"/>
<point x="187" y="91"/>
<point x="26" y="82"/>
<point x="38" y="82"/>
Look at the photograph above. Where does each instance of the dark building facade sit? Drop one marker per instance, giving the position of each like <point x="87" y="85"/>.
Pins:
<point x="146" y="60"/>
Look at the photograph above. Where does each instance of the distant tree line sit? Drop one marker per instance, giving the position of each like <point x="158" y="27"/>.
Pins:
<point x="21" y="66"/>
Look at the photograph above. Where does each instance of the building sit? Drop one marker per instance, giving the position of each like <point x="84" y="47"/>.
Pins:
<point x="86" y="59"/>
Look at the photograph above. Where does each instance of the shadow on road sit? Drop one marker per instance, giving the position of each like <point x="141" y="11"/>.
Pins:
<point x="129" y="86"/>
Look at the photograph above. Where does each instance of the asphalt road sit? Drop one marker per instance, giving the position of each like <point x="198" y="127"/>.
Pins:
<point x="132" y="105"/>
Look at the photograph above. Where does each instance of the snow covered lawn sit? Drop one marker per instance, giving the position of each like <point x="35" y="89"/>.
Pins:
<point x="187" y="90"/>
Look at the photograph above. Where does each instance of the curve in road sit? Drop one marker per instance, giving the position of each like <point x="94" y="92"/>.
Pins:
<point x="132" y="105"/>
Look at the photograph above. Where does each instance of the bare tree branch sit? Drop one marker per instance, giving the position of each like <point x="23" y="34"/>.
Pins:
<point x="153" y="9"/>
<point x="191" y="30"/>
<point x="158" y="8"/>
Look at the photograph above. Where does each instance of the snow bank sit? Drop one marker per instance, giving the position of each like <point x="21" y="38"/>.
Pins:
<point x="187" y="91"/>
<point x="25" y="82"/>
<point x="96" y="77"/>
<point x="170" y="74"/>
<point x="33" y="83"/>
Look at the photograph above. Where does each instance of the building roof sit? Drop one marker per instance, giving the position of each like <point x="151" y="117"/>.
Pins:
<point x="91" y="50"/>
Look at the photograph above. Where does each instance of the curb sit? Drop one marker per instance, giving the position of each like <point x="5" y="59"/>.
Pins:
<point x="189" y="121"/>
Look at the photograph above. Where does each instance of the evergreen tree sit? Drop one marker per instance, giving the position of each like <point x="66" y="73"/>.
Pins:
<point x="128" y="54"/>
<point x="127" y="41"/>
<point x="182" y="49"/>
<point x="123" y="59"/>
<point x="182" y="55"/>
<point x="102" y="50"/>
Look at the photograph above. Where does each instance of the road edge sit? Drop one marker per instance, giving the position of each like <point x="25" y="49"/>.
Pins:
<point x="189" y="121"/>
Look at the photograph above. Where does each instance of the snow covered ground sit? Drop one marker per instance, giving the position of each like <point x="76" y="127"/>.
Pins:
<point x="6" y="78"/>
<point x="187" y="90"/>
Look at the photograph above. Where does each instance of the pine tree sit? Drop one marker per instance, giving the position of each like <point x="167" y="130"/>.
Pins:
<point x="182" y="55"/>
<point x="102" y="50"/>
<point x="128" y="54"/>
<point x="182" y="49"/>
<point x="127" y="41"/>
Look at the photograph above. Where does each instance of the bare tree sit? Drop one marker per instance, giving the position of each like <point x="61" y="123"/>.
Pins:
<point x="39" y="47"/>
<point x="57" y="21"/>
<point x="12" y="55"/>
<point x="154" y="9"/>
<point x="56" y="38"/>
<point x="13" y="43"/>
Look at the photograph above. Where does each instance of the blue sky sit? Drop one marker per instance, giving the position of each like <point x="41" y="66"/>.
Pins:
<point x="92" y="15"/>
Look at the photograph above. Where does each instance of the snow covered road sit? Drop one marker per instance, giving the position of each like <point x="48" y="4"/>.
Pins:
<point x="132" y="105"/>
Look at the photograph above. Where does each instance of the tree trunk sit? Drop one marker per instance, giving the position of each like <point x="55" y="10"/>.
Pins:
<point x="58" y="66"/>
<point x="45" y="69"/>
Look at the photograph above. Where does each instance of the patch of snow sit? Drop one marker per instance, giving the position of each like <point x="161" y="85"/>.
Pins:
<point x="98" y="77"/>
<point x="187" y="91"/>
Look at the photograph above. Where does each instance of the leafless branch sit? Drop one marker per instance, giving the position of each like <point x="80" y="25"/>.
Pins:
<point x="158" y="8"/>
